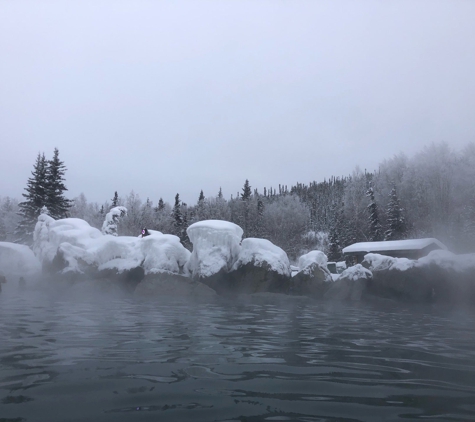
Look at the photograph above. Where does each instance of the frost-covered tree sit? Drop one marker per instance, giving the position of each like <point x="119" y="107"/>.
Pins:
<point x="57" y="204"/>
<point x="35" y="198"/>
<point x="375" y="228"/>
<point x="396" y="222"/>
<point x="112" y="220"/>
<point x="161" y="205"/>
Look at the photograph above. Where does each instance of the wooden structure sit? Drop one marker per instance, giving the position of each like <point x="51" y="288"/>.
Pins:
<point x="408" y="248"/>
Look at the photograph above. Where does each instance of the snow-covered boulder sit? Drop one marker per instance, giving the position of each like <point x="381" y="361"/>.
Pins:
<point x="351" y="285"/>
<point x="18" y="261"/>
<point x="313" y="257"/>
<point x="216" y="247"/>
<point x="376" y="262"/>
<point x="72" y="246"/>
<point x="263" y="253"/>
<point x="261" y="267"/>
<point x="441" y="276"/>
<point x="163" y="252"/>
<point x="313" y="278"/>
<point x="166" y="285"/>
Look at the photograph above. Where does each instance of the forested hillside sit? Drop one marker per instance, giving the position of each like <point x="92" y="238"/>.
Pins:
<point x="429" y="195"/>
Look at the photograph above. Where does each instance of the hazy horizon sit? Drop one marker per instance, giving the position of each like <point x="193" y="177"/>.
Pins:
<point x="162" y="98"/>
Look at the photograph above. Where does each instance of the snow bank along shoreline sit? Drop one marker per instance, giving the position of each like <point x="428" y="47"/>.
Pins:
<point x="222" y="263"/>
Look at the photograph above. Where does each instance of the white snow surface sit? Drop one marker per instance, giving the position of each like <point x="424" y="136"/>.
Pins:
<point x="313" y="257"/>
<point x="449" y="261"/>
<point x="262" y="251"/>
<point x="77" y="240"/>
<point x="440" y="258"/>
<point x="216" y="247"/>
<point x="356" y="272"/>
<point x="379" y="262"/>
<point x="393" y="245"/>
<point x="18" y="261"/>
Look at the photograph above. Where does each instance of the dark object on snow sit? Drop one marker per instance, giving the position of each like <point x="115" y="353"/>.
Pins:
<point x="145" y="232"/>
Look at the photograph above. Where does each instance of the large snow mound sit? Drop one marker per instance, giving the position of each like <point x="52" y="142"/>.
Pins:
<point x="262" y="251"/>
<point x="216" y="247"/>
<point x="80" y="243"/>
<point x="18" y="260"/>
<point x="439" y="258"/>
<point x="356" y="272"/>
<point x="312" y="257"/>
<point x="382" y="262"/>
<point x="448" y="260"/>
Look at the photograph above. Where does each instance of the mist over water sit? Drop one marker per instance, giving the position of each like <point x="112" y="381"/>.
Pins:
<point x="80" y="356"/>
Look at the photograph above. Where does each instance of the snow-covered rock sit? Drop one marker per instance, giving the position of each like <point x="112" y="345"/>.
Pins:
<point x="313" y="278"/>
<point x="263" y="253"/>
<point x="72" y="245"/>
<point x="441" y="276"/>
<point x="18" y="261"/>
<point x="317" y="257"/>
<point x="376" y="262"/>
<point x="216" y="247"/>
<point x="351" y="285"/>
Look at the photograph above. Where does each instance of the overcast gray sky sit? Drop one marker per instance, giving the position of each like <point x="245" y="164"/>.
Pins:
<point x="178" y="96"/>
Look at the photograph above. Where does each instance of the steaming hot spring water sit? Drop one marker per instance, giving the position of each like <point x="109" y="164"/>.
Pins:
<point x="106" y="358"/>
<point x="77" y="354"/>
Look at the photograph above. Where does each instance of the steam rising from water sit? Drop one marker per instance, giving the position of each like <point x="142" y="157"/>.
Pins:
<point x="249" y="359"/>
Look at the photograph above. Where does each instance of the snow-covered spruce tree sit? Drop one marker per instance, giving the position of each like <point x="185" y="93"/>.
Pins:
<point x="160" y="206"/>
<point x="375" y="228"/>
<point x="115" y="200"/>
<point x="244" y="207"/>
<point x="334" y="235"/>
<point x="56" y="202"/>
<point x="112" y="219"/>
<point x="35" y="199"/>
<point x="179" y="222"/>
<point x="396" y="222"/>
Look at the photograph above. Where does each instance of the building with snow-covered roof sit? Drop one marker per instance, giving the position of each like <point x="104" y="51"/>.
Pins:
<point x="408" y="248"/>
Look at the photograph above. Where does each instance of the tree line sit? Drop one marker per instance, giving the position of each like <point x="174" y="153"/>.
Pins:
<point x="431" y="194"/>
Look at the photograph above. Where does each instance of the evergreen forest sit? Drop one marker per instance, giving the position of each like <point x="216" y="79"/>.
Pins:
<point x="431" y="194"/>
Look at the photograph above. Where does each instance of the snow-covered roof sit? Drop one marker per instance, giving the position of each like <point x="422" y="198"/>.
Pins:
<point x="393" y="245"/>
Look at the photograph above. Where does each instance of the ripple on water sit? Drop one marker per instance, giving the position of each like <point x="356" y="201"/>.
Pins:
<point x="233" y="361"/>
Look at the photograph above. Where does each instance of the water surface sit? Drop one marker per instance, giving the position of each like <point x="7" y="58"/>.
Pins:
<point x="116" y="358"/>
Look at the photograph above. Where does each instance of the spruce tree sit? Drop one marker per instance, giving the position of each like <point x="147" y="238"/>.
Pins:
<point x="396" y="221"/>
<point x="244" y="217"/>
<point x="58" y="206"/>
<point x="115" y="200"/>
<point x="246" y="191"/>
<point x="35" y="199"/>
<point x="178" y="217"/>
<point x="375" y="229"/>
<point x="334" y="236"/>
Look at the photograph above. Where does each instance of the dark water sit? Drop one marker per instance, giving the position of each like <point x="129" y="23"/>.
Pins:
<point x="120" y="359"/>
